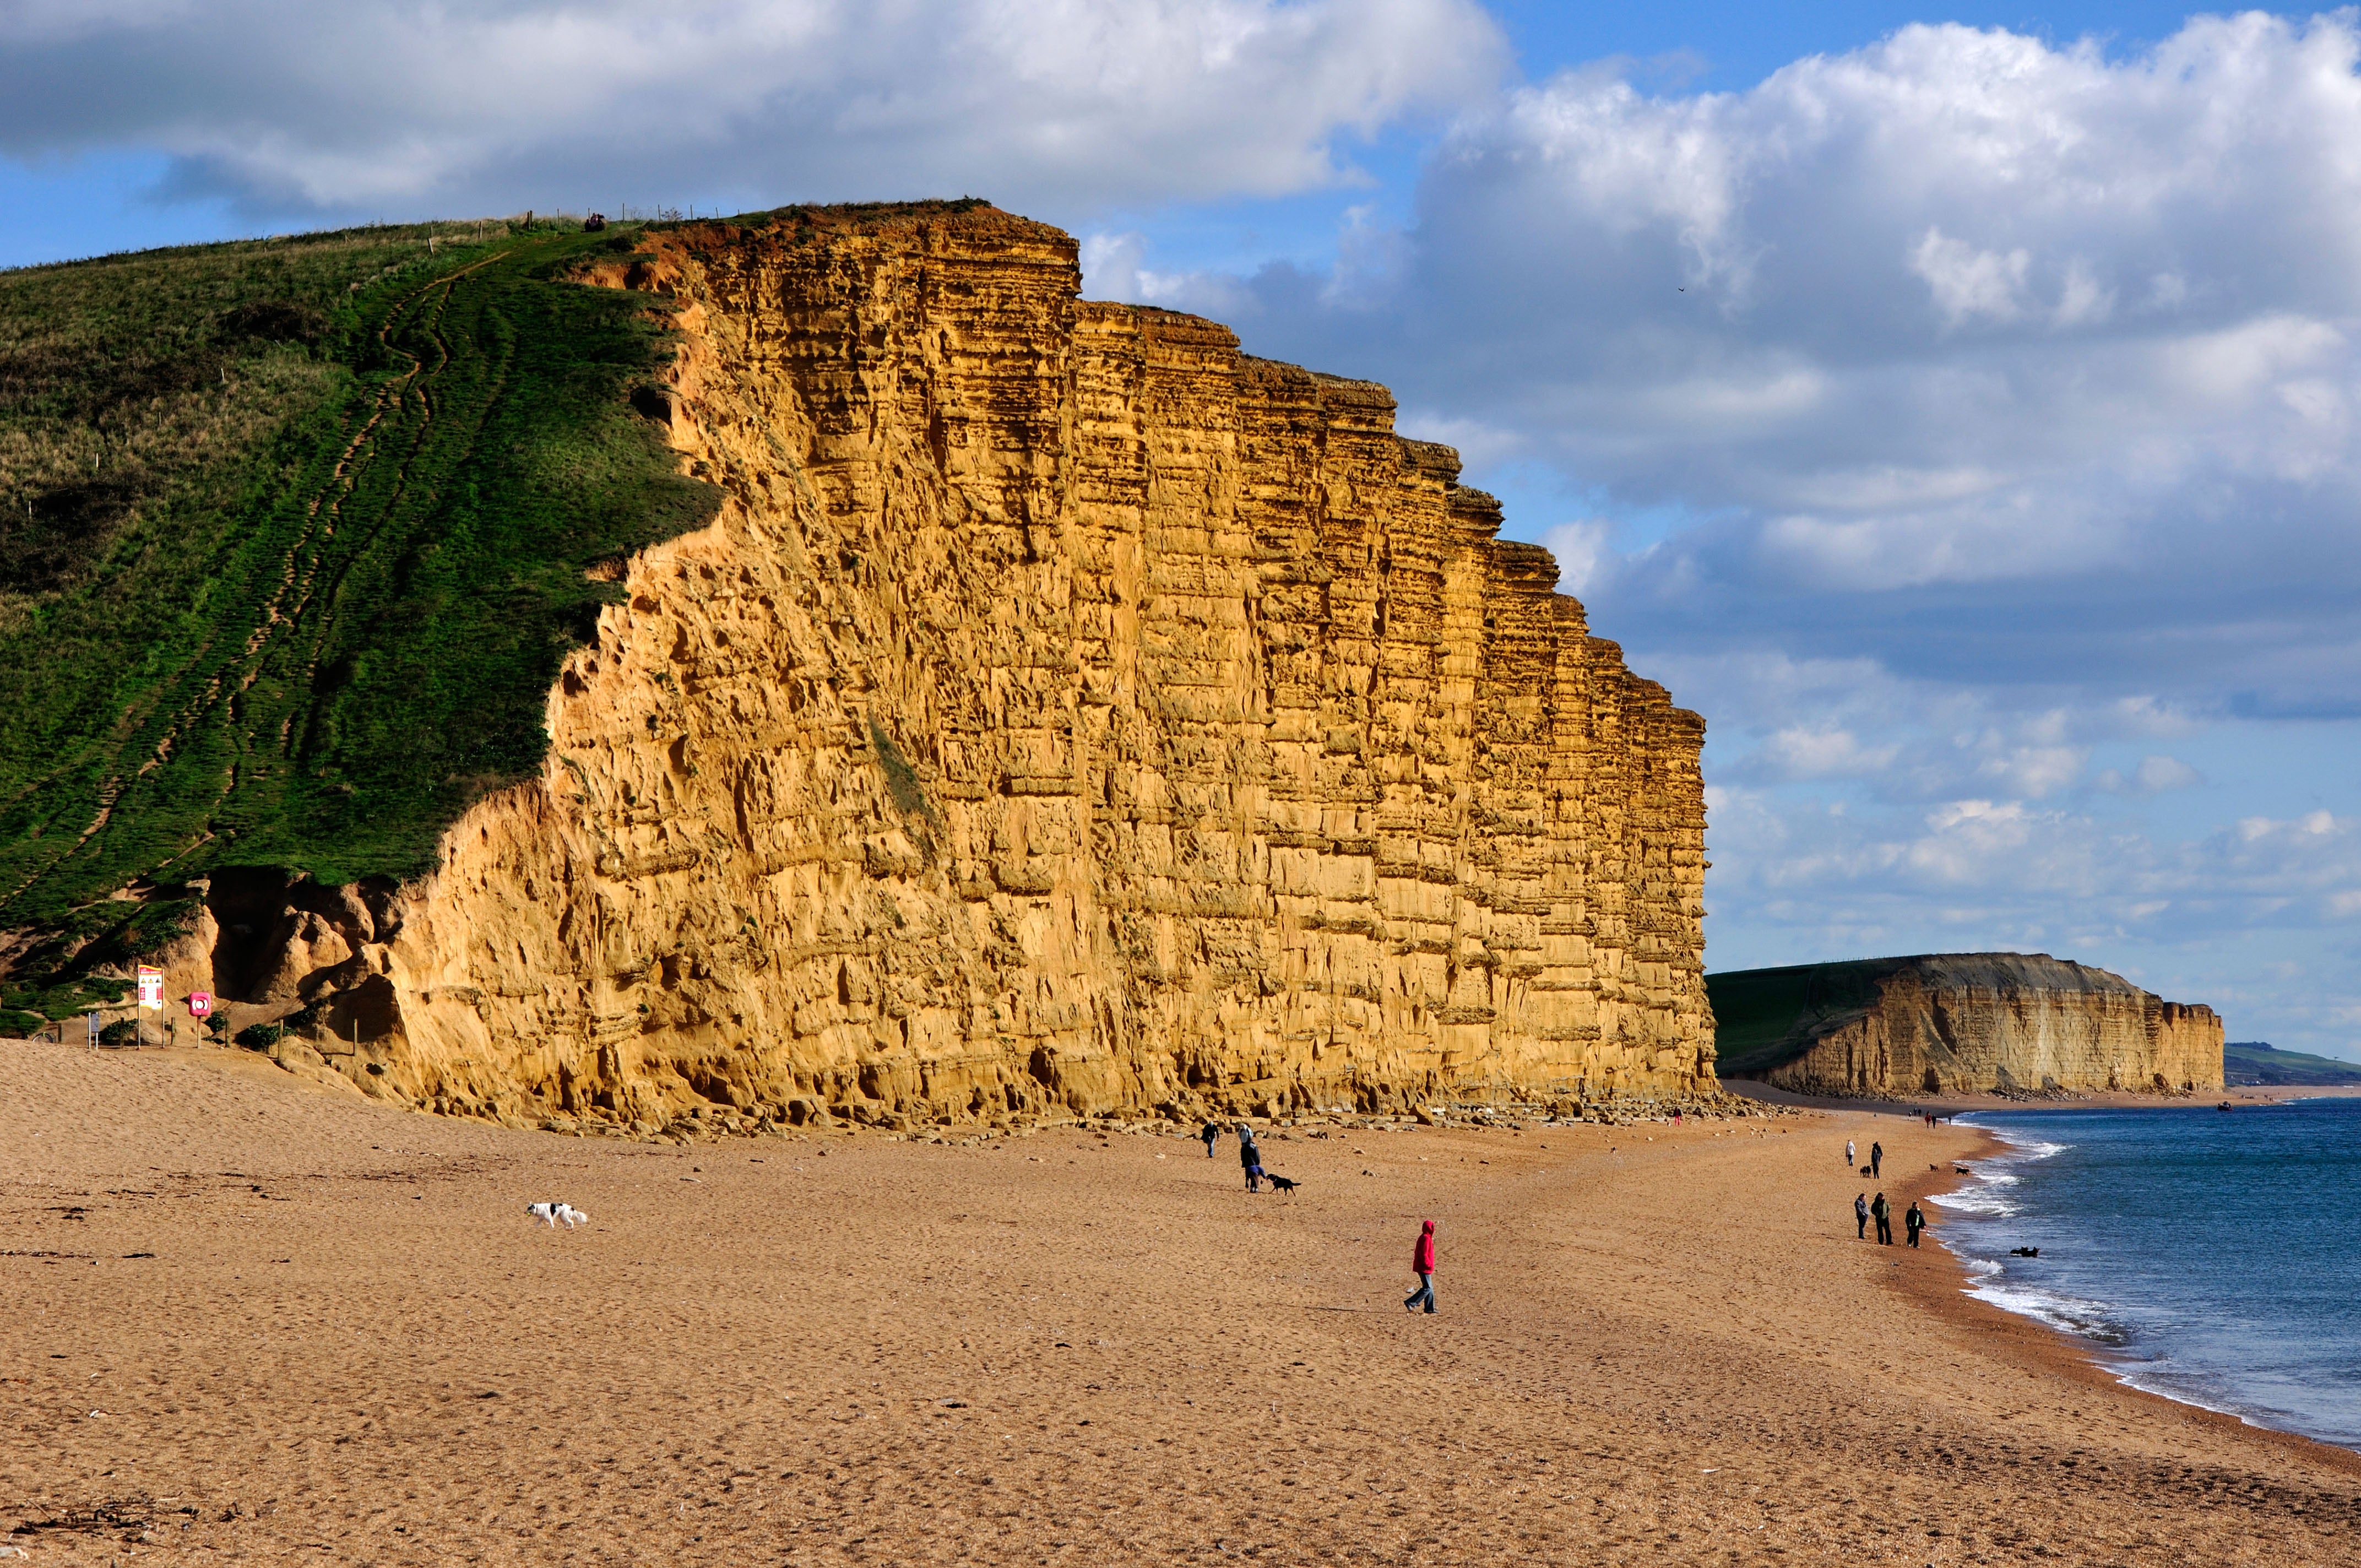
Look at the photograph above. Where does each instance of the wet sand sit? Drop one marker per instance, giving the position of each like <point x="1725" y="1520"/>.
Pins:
<point x="1656" y="1346"/>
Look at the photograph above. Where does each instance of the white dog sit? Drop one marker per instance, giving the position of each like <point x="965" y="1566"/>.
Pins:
<point x="550" y="1214"/>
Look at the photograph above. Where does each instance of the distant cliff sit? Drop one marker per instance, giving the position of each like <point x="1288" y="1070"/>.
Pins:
<point x="2257" y="1063"/>
<point x="1959" y="1023"/>
<point x="1065" y="712"/>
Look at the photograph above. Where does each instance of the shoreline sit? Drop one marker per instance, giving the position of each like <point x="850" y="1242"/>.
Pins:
<point x="254" y="1317"/>
<point x="2085" y="1100"/>
<point x="2061" y="1352"/>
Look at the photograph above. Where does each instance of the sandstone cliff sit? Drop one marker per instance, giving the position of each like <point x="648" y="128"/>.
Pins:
<point x="1958" y="1022"/>
<point x="1066" y="711"/>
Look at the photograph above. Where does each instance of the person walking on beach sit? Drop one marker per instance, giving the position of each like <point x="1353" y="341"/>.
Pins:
<point x="1250" y="1157"/>
<point x="1876" y="1158"/>
<point x="1212" y="1134"/>
<point x="1914" y="1221"/>
<point x="1422" y="1262"/>
<point x="1850" y="1160"/>
<point x="1883" y="1212"/>
<point x="1860" y="1216"/>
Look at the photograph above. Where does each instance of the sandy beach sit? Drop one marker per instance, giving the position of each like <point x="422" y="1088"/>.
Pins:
<point x="250" y="1319"/>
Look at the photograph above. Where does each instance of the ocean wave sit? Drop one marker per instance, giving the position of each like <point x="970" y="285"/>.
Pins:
<point x="1975" y="1200"/>
<point x="2084" y="1319"/>
<point x="2022" y="1145"/>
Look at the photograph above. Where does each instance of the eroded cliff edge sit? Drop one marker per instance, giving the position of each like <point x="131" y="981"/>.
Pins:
<point x="1065" y="710"/>
<point x="1955" y="1023"/>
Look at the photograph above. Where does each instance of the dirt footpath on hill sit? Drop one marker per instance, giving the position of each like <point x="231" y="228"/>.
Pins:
<point x="247" y="1320"/>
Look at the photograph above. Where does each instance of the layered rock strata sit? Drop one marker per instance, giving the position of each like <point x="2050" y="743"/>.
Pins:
<point x="1972" y="1022"/>
<point x="1067" y="712"/>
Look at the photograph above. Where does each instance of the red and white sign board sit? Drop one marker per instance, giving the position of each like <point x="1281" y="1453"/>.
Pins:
<point x="151" y="988"/>
<point x="201" y="1003"/>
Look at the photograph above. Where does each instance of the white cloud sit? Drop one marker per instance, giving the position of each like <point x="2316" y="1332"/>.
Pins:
<point x="2155" y="775"/>
<point x="1797" y="753"/>
<point x="1987" y="357"/>
<point x="289" y="105"/>
<point x="1582" y="552"/>
<point x="1969" y="282"/>
<point x="2033" y="772"/>
<point x="1113" y="267"/>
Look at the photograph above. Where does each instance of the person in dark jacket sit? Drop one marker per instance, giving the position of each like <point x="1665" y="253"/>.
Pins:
<point x="1884" y="1213"/>
<point x="1250" y="1157"/>
<point x="1876" y="1158"/>
<point x="1914" y="1221"/>
<point x="1860" y="1216"/>
<point x="1422" y="1262"/>
<point x="1212" y="1134"/>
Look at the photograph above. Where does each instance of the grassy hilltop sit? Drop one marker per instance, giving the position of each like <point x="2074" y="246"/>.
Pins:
<point x="1765" y="1018"/>
<point x="293" y="535"/>
<point x="2254" y="1062"/>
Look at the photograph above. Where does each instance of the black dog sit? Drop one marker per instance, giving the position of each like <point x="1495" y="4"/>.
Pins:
<point x="1282" y="1183"/>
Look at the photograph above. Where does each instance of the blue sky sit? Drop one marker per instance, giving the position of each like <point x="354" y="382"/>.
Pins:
<point x="1956" y="406"/>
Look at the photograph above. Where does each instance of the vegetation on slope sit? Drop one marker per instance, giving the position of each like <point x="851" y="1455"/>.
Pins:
<point x="294" y="536"/>
<point x="1765" y="1017"/>
<point x="2248" y="1062"/>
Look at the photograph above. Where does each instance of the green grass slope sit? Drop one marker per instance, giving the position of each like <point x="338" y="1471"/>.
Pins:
<point x="294" y="536"/>
<point x="2255" y="1062"/>
<point x="1764" y="1017"/>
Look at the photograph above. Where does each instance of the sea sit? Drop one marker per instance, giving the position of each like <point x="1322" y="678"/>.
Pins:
<point x="2212" y="1258"/>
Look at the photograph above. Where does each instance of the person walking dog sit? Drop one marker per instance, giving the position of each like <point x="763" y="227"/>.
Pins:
<point x="1250" y="1157"/>
<point x="1422" y="1262"/>
<point x="1876" y="1159"/>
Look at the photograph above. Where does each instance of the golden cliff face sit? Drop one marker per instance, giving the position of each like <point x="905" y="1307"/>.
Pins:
<point x="1066" y="712"/>
<point x="1967" y="1022"/>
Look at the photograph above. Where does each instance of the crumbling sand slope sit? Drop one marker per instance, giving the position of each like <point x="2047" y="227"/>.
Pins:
<point x="1065" y="711"/>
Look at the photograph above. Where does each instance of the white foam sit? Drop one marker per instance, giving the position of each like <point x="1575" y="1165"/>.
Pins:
<point x="2074" y="1314"/>
<point x="2023" y="1145"/>
<point x="1971" y="1201"/>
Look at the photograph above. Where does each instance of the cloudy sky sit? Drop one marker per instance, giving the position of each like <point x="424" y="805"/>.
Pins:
<point x="1956" y="404"/>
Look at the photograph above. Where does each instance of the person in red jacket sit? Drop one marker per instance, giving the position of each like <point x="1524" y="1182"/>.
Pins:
<point x="1422" y="1262"/>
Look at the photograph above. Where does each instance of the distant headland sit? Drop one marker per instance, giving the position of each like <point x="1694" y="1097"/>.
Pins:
<point x="1953" y="1023"/>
